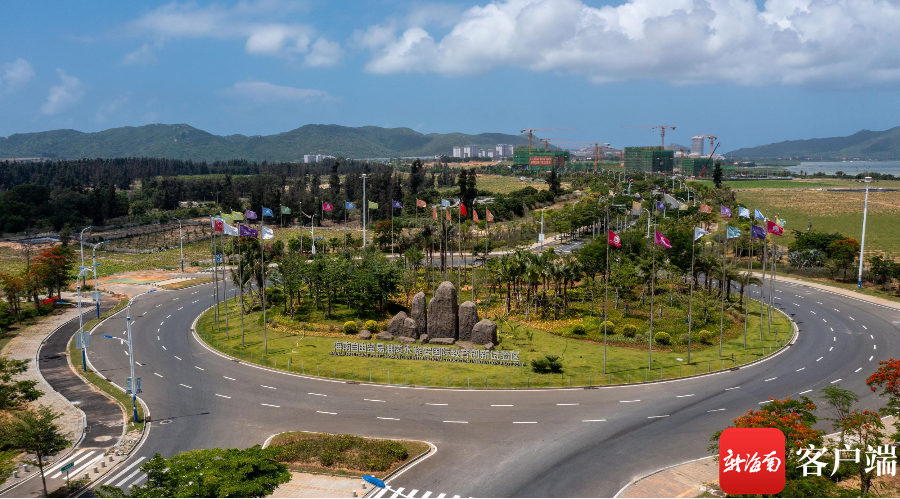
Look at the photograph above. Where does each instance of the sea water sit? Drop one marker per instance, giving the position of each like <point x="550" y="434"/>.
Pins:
<point x="848" y="167"/>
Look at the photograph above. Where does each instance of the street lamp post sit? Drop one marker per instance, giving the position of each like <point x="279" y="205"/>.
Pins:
<point x="312" y="224"/>
<point x="648" y="222"/>
<point x="96" y="293"/>
<point x="84" y="340"/>
<point x="862" y="245"/>
<point x="81" y="237"/>
<point x="365" y="209"/>
<point x="181" y="244"/>
<point x="134" y="382"/>
<point x="542" y="227"/>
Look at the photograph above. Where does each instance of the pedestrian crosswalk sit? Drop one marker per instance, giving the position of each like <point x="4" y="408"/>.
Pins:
<point x="399" y="492"/>
<point x="129" y="472"/>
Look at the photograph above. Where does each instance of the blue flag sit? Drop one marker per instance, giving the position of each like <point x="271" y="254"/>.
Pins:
<point x="743" y="212"/>
<point x="732" y="232"/>
<point x="660" y="206"/>
<point x="758" y="215"/>
<point x="445" y="203"/>
<point x="757" y="231"/>
<point x="349" y="206"/>
<point x="698" y="233"/>
<point x="267" y="212"/>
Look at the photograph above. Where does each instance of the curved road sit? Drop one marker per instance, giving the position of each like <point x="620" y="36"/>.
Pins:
<point x="491" y="443"/>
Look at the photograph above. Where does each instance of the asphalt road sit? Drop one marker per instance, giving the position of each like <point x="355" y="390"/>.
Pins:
<point x="491" y="443"/>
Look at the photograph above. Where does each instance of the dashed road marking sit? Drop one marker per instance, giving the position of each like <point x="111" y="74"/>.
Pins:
<point x="732" y="388"/>
<point x="170" y="315"/>
<point x="864" y="327"/>
<point x="226" y="377"/>
<point x="870" y="358"/>
<point x="501" y="405"/>
<point x="164" y="347"/>
<point x="326" y="412"/>
<point x="858" y="370"/>
<point x="198" y="367"/>
<point x="126" y="352"/>
<point x="835" y="381"/>
<point x="874" y="347"/>
<point x="524" y="422"/>
<point x="802" y="368"/>
<point x="428" y="403"/>
<point x="223" y="396"/>
<point x="628" y="401"/>
<point x="269" y="387"/>
<point x="806" y="391"/>
<point x="177" y="357"/>
<point x="683" y="396"/>
<point x="567" y="404"/>
<point x="182" y="384"/>
<point x="592" y="420"/>
<point x="770" y="379"/>
<point x="160" y="375"/>
<point x="654" y="417"/>
<point x="830" y="349"/>
<point x="716" y="410"/>
<point x="457" y="422"/>
<point x="317" y="394"/>
<point x="851" y="318"/>
<point x="387" y="419"/>
<point x="820" y="358"/>
<point x="270" y="405"/>
<point x="373" y="400"/>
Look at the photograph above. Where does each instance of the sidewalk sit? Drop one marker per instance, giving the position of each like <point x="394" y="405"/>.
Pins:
<point x="838" y="291"/>
<point x="311" y="485"/>
<point x="685" y="480"/>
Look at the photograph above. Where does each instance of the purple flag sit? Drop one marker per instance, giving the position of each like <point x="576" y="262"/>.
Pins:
<point x="250" y="215"/>
<point x="725" y="210"/>
<point x="245" y="231"/>
<point x="396" y="204"/>
<point x="662" y="241"/>
<point x="660" y="206"/>
<point x="758" y="231"/>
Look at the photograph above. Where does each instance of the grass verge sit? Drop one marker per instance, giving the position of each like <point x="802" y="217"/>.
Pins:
<point x="187" y="283"/>
<point x="306" y="353"/>
<point x="101" y="383"/>
<point x="346" y="455"/>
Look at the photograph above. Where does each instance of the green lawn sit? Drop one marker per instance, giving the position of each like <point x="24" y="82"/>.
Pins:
<point x="582" y="359"/>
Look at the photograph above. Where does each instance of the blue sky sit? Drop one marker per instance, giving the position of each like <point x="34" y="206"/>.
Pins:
<point x="748" y="72"/>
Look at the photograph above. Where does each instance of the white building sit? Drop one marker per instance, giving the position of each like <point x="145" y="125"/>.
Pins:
<point x="504" y="150"/>
<point x="457" y="152"/>
<point x="312" y="158"/>
<point x="697" y="146"/>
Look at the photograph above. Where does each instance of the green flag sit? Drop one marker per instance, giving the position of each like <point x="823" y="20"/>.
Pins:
<point x="237" y="215"/>
<point x="285" y="210"/>
<point x="373" y="206"/>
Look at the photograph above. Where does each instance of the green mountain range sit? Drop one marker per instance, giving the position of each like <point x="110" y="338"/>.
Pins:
<point x="187" y="142"/>
<point x="864" y="144"/>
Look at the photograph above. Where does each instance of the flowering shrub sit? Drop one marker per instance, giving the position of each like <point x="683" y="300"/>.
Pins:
<point x="350" y="327"/>
<point x="705" y="337"/>
<point x="629" y="331"/>
<point x="372" y="326"/>
<point x="662" y="338"/>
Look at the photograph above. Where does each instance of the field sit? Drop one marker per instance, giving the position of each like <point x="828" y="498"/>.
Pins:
<point x="502" y="184"/>
<point x="307" y="349"/>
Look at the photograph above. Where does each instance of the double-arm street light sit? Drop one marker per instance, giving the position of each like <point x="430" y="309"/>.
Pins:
<point x="181" y="244"/>
<point x="867" y="180"/>
<point x="81" y="237"/>
<point x="94" y="264"/>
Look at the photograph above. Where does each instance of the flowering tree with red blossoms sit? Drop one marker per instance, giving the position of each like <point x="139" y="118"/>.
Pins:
<point x="887" y="377"/>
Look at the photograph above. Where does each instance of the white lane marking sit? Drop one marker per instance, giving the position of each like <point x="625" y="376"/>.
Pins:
<point x="683" y="396"/>
<point x="864" y="327"/>
<point x="157" y="329"/>
<point x="824" y="320"/>
<point x="820" y="358"/>
<point x="138" y="363"/>
<point x="807" y="391"/>
<point x="835" y="338"/>
<point x="813" y="312"/>
<point x="501" y="405"/>
<point x="182" y="384"/>
<point x="568" y="404"/>
<point x="628" y="401"/>
<point x="398" y="493"/>
<point x="161" y="323"/>
<point x="145" y="313"/>
<point x="157" y="338"/>
<point x="870" y="336"/>
<point x="524" y="422"/>
<point x="830" y="349"/>
<point x="132" y="465"/>
<point x="836" y="310"/>
<point x="458" y="422"/>
<point x="412" y="493"/>
<point x="835" y="381"/>
<point x="858" y="370"/>
<point x="270" y="405"/>
<point x="851" y="318"/>
<point x="819" y="302"/>
<point x="226" y="377"/>
<point x="326" y="412"/>
<point x="164" y="347"/>
<point x="592" y="420"/>
<point x="770" y="379"/>
<point x="654" y="417"/>
<point x="269" y="387"/>
<point x="832" y="330"/>
<point x="84" y="455"/>
<point x="177" y="357"/>
<point x="870" y="358"/>
<point x="317" y="394"/>
<point x="126" y="352"/>
<point x="732" y="388"/>
<point x="223" y="396"/>
<point x="129" y="477"/>
<point x="428" y="403"/>
<point x="179" y="308"/>
<point x="160" y="375"/>
<point x="373" y="400"/>
<point x="170" y="315"/>
<point x="802" y="368"/>
<point x="764" y="402"/>
<point x="874" y="347"/>
<point x="426" y="495"/>
<point x="716" y="410"/>
<point x="137" y="480"/>
<point x="387" y="419"/>
<point x="159" y="305"/>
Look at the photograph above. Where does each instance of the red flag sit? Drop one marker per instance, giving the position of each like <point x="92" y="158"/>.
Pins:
<point x="434" y="213"/>
<point x="462" y="209"/>
<point x="219" y="225"/>
<point x="327" y="207"/>
<point x="475" y="216"/>
<point x="705" y="208"/>
<point x="613" y="239"/>
<point x="447" y="211"/>
<point x="774" y="228"/>
<point x="420" y="203"/>
<point x="662" y="241"/>
<point x="490" y="217"/>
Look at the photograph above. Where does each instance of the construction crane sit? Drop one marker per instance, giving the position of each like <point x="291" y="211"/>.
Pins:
<point x="662" y="131"/>
<point x="711" y="138"/>
<point x="547" y="142"/>
<point x="711" y="153"/>
<point x="598" y="147"/>
<point x="531" y="130"/>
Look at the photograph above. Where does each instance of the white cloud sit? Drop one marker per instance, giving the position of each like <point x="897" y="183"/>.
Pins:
<point x="791" y="42"/>
<point x="15" y="75"/>
<point x="143" y="56"/>
<point x="263" y="93"/>
<point x="110" y="107"/>
<point x="323" y="54"/>
<point x="62" y="96"/>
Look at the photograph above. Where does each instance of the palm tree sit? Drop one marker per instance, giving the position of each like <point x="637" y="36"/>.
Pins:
<point x="747" y="279"/>
<point x="532" y="279"/>
<point x="506" y="274"/>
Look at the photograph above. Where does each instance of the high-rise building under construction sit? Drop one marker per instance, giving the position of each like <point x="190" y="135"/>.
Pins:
<point x="649" y="159"/>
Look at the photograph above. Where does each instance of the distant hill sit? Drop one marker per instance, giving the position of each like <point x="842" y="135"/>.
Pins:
<point x="864" y="144"/>
<point x="187" y="142"/>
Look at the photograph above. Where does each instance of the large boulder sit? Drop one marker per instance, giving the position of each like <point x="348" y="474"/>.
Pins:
<point x="443" y="311"/>
<point x="418" y="313"/>
<point x="385" y="336"/>
<point x="405" y="339"/>
<point x="396" y="323"/>
<point x="408" y="329"/>
<point x="468" y="317"/>
<point x="484" y="332"/>
<point x="441" y="341"/>
<point x="423" y="339"/>
<point x="365" y="334"/>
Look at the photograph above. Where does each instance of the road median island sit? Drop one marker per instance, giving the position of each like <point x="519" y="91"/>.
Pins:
<point x="317" y="351"/>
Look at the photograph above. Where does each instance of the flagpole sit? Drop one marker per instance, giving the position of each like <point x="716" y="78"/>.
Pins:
<point x="241" y="278"/>
<point x="224" y="285"/>
<point x="691" y="299"/>
<point x="747" y="306"/>
<point x="459" y="239"/>
<point x="762" y="287"/>
<point x="215" y="268"/>
<point x="262" y="260"/>
<point x="772" y="294"/>
<point x="392" y="229"/>
<point x="606" y="291"/>
<point x="722" y="283"/>
<point x="652" y="295"/>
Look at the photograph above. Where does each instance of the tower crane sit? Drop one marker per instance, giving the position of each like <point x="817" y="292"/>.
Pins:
<point x="531" y="130"/>
<point x="547" y="142"/>
<point x="662" y="131"/>
<point x="711" y="138"/>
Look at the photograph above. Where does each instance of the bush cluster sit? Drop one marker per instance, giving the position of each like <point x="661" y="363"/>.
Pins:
<point x="343" y="452"/>
<point x="578" y="329"/>
<point x="546" y="365"/>
<point x="350" y="327"/>
<point x="372" y="326"/>
<point x="610" y="327"/>
<point x="706" y="337"/>
<point x="662" y="338"/>
<point x="629" y="331"/>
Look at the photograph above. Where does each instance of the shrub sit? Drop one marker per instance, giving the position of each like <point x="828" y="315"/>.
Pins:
<point x="706" y="337"/>
<point x="629" y="330"/>
<point x="350" y="327"/>
<point x="610" y="327"/>
<point x="662" y="338"/>
<point x="578" y="329"/>
<point x="546" y="365"/>
<point x="372" y="326"/>
<point x="685" y="337"/>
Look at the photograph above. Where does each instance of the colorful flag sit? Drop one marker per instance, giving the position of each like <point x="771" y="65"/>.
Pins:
<point x="475" y="216"/>
<point x="682" y="206"/>
<point x="490" y="216"/>
<point x="349" y="206"/>
<point x="698" y="233"/>
<point x="660" y="206"/>
<point x="245" y="231"/>
<point x="635" y="206"/>
<point x="237" y="215"/>
<point x="250" y="215"/>
<point x="732" y="232"/>
<point x="445" y="203"/>
<point x="218" y="224"/>
<point x="228" y="218"/>
<point x="434" y="212"/>
<point x="396" y="204"/>
<point x="267" y="212"/>
<point x="774" y="228"/>
<point x="285" y="210"/>
<point x="757" y="231"/>
<point x="448" y="215"/>
<point x="421" y="203"/>
<point x="662" y="241"/>
<point x="758" y="215"/>
<point x="268" y="233"/>
<point x="743" y="212"/>
<point x="462" y="209"/>
<point x="327" y="207"/>
<point x="230" y="230"/>
<point x="613" y="239"/>
<point x="705" y="208"/>
<point x="725" y="210"/>
<point x="373" y="206"/>
<point x="780" y="221"/>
